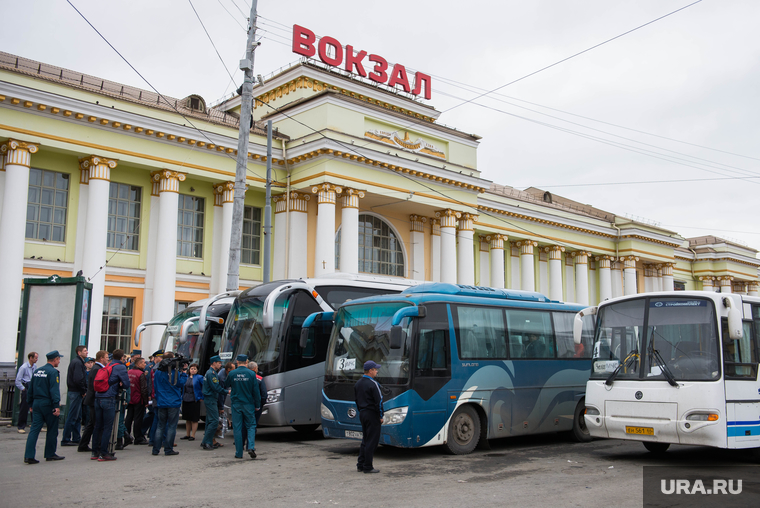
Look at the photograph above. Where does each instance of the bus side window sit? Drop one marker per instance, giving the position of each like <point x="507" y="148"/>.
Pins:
<point x="535" y="330"/>
<point x="433" y="352"/>
<point x="481" y="332"/>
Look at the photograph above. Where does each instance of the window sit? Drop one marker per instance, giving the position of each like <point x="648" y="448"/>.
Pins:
<point x="563" y="328"/>
<point x="47" y="205"/>
<point x="379" y="248"/>
<point x="251" y="245"/>
<point x="530" y="334"/>
<point x="740" y="355"/>
<point x="124" y="216"/>
<point x="480" y="332"/>
<point x="180" y="306"/>
<point x="190" y="226"/>
<point x="117" y="323"/>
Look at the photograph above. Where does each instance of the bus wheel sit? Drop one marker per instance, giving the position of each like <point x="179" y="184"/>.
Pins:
<point x="656" y="447"/>
<point x="464" y="431"/>
<point x="580" y="431"/>
<point x="306" y="429"/>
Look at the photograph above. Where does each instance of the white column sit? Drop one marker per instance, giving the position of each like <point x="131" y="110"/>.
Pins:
<point x="658" y="277"/>
<point x="84" y="197"/>
<point x="592" y="281"/>
<point x="543" y="272"/>
<point x="649" y="277"/>
<point x="216" y="276"/>
<point x="725" y="284"/>
<point x="465" y="254"/>
<point x="667" y="277"/>
<point x="448" y="220"/>
<point x="12" y="232"/>
<point x="417" y="247"/>
<point x="95" y="237"/>
<point x="555" y="271"/>
<point x="708" y="284"/>
<point x="150" y="266"/>
<point x="226" y="192"/>
<point x="497" y="260"/>
<point x="605" y="277"/>
<point x="617" y="279"/>
<point x="484" y="262"/>
<point x="514" y="265"/>
<point x="581" y="276"/>
<point x="629" y="283"/>
<point x="280" y="220"/>
<point x="299" y="225"/>
<point x="569" y="278"/>
<point x="752" y="288"/>
<point x="349" y="230"/>
<point x="2" y="182"/>
<point x="435" y="250"/>
<point x="166" y="250"/>
<point x="527" y="273"/>
<point x="324" y="253"/>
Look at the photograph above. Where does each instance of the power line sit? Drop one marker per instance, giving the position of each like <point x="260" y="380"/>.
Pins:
<point x="212" y="42"/>
<point x="233" y="17"/>
<point x="637" y="183"/>
<point x="245" y="16"/>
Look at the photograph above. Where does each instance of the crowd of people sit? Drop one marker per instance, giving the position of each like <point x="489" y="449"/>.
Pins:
<point x="115" y="401"/>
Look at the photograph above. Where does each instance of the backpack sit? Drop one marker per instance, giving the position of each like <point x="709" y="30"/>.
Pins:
<point x="101" y="379"/>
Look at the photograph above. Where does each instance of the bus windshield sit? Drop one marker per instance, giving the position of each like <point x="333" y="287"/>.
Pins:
<point x="170" y="339"/>
<point x="679" y="342"/>
<point x="362" y="333"/>
<point x="244" y="334"/>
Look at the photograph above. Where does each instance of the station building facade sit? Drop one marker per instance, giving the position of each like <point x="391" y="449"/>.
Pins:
<point x="135" y="191"/>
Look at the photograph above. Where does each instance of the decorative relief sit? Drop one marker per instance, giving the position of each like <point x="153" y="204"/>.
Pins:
<point x="18" y="152"/>
<point x="99" y="167"/>
<point x="417" y="223"/>
<point x="417" y="146"/>
<point x="166" y="180"/>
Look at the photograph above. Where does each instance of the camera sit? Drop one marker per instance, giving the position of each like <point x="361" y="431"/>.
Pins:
<point x="173" y="366"/>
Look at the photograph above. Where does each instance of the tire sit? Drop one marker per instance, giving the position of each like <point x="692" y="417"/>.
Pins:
<point x="656" y="448"/>
<point x="464" y="431"/>
<point x="580" y="432"/>
<point x="307" y="428"/>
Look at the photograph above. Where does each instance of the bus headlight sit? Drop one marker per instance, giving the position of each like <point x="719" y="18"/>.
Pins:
<point x="703" y="417"/>
<point x="274" y="395"/>
<point x="395" y="416"/>
<point x="592" y="411"/>
<point x="326" y="413"/>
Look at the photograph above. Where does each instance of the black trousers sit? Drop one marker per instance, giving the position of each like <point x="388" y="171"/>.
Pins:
<point x="23" y="412"/>
<point x="371" y="426"/>
<point x="84" y="441"/>
<point x="134" y="421"/>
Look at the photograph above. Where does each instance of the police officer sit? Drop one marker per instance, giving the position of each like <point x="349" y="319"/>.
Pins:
<point x="369" y="401"/>
<point x="44" y="395"/>
<point x="211" y="390"/>
<point x="245" y="401"/>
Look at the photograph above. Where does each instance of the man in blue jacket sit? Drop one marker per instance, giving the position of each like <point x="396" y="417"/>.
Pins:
<point x="168" y="385"/>
<point x="105" y="408"/>
<point x="44" y="395"/>
<point x="212" y="388"/>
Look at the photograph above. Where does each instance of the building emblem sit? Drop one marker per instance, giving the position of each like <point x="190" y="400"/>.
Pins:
<point x="418" y="146"/>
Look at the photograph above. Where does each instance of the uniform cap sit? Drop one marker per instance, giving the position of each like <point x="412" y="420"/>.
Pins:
<point x="89" y="359"/>
<point x="136" y="352"/>
<point x="371" y="365"/>
<point x="53" y="355"/>
<point x="242" y="358"/>
<point x="215" y="359"/>
<point x="160" y="352"/>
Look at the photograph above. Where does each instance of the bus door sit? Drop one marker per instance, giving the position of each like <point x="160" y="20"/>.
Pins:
<point x="740" y="364"/>
<point x="303" y="369"/>
<point x="431" y="373"/>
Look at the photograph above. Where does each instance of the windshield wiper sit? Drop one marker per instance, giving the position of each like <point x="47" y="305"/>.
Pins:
<point x="626" y="363"/>
<point x="660" y="362"/>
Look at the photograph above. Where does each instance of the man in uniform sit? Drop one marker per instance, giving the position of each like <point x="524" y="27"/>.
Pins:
<point x="44" y="395"/>
<point x="246" y="400"/>
<point x="211" y="390"/>
<point x="369" y="401"/>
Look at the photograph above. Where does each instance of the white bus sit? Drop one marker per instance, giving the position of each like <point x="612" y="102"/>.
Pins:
<point x="676" y="368"/>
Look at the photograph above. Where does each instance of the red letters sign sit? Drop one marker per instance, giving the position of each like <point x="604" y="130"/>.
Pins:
<point x="303" y="44"/>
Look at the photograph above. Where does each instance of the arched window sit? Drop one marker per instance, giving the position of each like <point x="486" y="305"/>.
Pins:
<point x="380" y="250"/>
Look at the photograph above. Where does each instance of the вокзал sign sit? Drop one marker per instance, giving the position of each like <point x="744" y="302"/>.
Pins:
<point x="303" y="44"/>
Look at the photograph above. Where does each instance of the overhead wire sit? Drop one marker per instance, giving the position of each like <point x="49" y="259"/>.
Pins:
<point x="231" y="15"/>
<point x="212" y="42"/>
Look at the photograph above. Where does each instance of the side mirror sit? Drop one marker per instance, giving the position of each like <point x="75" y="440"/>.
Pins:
<point x="735" y="328"/>
<point x="309" y="322"/>
<point x="397" y="337"/>
<point x="186" y="327"/>
<point x="304" y="338"/>
<point x="578" y="322"/>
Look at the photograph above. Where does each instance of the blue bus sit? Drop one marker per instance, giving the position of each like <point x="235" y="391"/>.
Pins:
<point x="460" y="365"/>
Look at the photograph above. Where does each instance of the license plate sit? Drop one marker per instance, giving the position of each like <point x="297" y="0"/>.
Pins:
<point x="645" y="431"/>
<point x="353" y="434"/>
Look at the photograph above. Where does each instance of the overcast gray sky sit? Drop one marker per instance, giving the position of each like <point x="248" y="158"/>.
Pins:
<point x="692" y="77"/>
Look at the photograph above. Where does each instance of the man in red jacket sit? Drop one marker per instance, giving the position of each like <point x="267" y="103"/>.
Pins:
<point x="138" y="386"/>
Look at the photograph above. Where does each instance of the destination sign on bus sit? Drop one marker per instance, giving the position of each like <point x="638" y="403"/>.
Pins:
<point x="677" y="303"/>
<point x="304" y="44"/>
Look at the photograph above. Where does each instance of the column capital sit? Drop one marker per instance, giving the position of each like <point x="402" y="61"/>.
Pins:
<point x="467" y="221"/>
<point x="166" y="180"/>
<point x="709" y="279"/>
<point x="326" y="193"/>
<point x="99" y="168"/>
<point x="224" y="192"/>
<point x="725" y="280"/>
<point x="581" y="256"/>
<point x="497" y="241"/>
<point x="629" y="261"/>
<point x="753" y="286"/>
<point x="350" y="197"/>
<point x="448" y="217"/>
<point x="435" y="227"/>
<point x="526" y="247"/>
<point x="18" y="152"/>
<point x="604" y="261"/>
<point x="554" y="251"/>
<point x="484" y="244"/>
<point x="417" y="223"/>
<point x="298" y="202"/>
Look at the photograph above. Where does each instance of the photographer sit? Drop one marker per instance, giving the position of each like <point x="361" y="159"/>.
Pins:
<point x="168" y="382"/>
